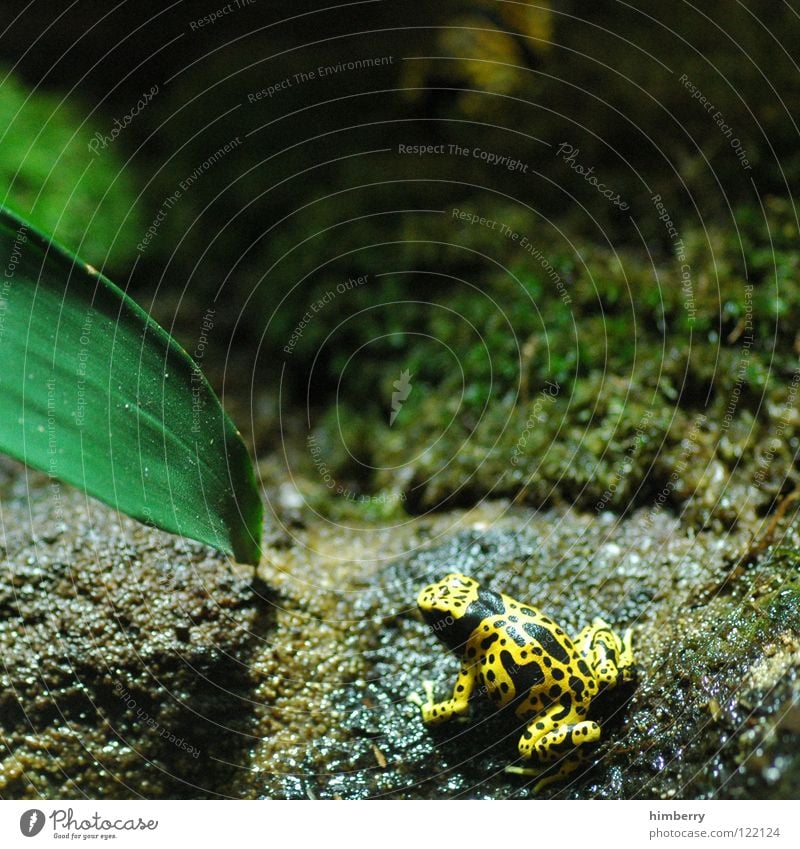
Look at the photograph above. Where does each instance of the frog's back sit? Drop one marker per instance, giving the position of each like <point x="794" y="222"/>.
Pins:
<point x="524" y="656"/>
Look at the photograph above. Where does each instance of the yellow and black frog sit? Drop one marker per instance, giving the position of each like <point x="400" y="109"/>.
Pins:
<point x="515" y="653"/>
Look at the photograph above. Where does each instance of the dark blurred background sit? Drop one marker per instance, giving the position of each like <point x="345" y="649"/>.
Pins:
<point x="293" y="184"/>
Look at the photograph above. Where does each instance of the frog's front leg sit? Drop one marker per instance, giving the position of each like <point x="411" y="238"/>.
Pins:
<point x="609" y="657"/>
<point x="434" y="713"/>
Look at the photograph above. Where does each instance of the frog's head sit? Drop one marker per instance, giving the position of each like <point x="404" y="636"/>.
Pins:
<point x="444" y="608"/>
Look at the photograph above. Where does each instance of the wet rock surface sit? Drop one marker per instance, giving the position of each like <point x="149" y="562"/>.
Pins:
<point x="712" y="713"/>
<point x="124" y="652"/>
<point x="137" y="665"/>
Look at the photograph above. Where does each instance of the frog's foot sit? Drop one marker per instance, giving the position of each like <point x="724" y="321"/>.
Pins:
<point x="548" y="774"/>
<point x="417" y="700"/>
<point x="513" y="769"/>
<point x="533" y="772"/>
<point x="435" y="712"/>
<point x="627" y="669"/>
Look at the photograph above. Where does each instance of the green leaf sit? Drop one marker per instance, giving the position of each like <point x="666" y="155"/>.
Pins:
<point x="95" y="393"/>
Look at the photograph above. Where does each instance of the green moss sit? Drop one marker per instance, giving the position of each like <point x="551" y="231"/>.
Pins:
<point x="684" y="421"/>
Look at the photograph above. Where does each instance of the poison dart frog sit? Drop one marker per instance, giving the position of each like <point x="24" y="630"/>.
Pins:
<point x="516" y="654"/>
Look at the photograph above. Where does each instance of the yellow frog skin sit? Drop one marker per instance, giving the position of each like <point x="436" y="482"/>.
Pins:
<point x="514" y="653"/>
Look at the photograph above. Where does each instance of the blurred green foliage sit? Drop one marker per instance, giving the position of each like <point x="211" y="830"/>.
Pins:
<point x="49" y="175"/>
<point x="316" y="192"/>
<point x="317" y="179"/>
<point x="508" y="77"/>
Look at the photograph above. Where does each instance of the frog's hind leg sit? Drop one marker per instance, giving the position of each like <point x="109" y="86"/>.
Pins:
<point x="554" y="745"/>
<point x="551" y="745"/>
<point x="609" y="657"/>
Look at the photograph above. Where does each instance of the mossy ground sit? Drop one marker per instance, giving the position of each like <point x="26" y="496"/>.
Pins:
<point x="646" y="385"/>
